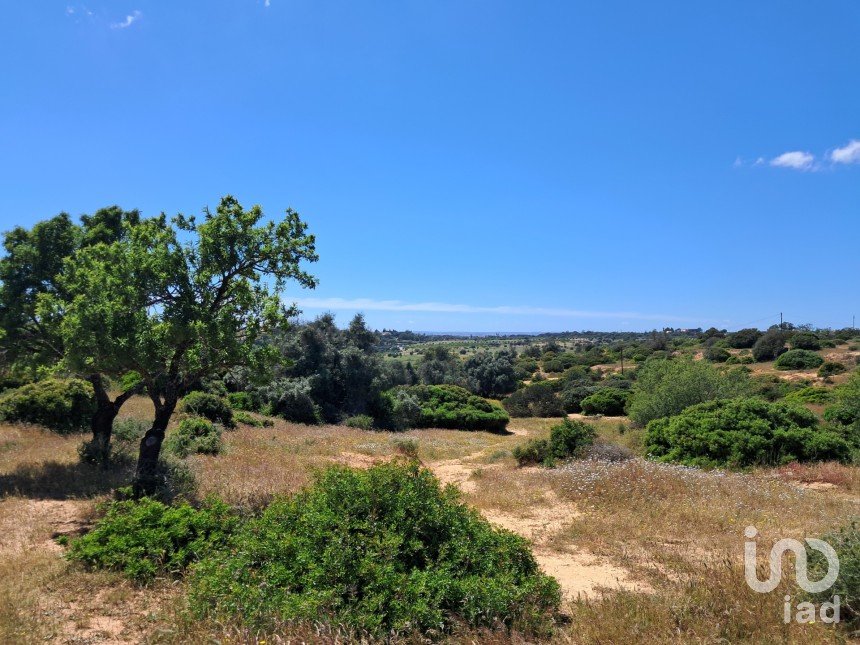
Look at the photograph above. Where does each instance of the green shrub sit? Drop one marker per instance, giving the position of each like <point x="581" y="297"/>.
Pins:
<point x="811" y="395"/>
<point x="805" y="340"/>
<point x="740" y="359"/>
<point x="609" y="401"/>
<point x="717" y="354"/>
<point x="743" y="432"/>
<point x="241" y="416"/>
<point x="769" y="346"/>
<point x="798" y="359"/>
<point x="450" y="406"/>
<point x="744" y="338"/>
<point x="664" y="388"/>
<point x="209" y="406"/>
<point x="831" y="368"/>
<point x="145" y="538"/>
<point x="241" y="401"/>
<point x="194" y="435"/>
<point x="129" y="430"/>
<point x="567" y="440"/>
<point x="846" y="543"/>
<point x="536" y="400"/>
<point x="360" y="421"/>
<point x="384" y="550"/>
<point x="847" y="409"/>
<point x="62" y="406"/>
<point x="292" y="400"/>
<point x="573" y="394"/>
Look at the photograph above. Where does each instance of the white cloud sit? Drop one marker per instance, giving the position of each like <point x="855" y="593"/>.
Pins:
<point x="129" y="20"/>
<point x="267" y="3"/>
<point x="368" y="304"/>
<point x="849" y="153"/>
<point x="70" y="11"/>
<point x="796" y="159"/>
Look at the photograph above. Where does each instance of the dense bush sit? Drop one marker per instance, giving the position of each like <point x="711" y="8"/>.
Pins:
<point x="208" y="406"/>
<point x="384" y="550"/>
<point x="609" y="401"/>
<point x="194" y="435"/>
<point x="242" y="401"/>
<point x="811" y="395"/>
<point x="536" y="400"/>
<point x="770" y="345"/>
<point x="831" y="368"/>
<point x="805" y="340"/>
<point x="292" y="400"/>
<point x="360" y="421"/>
<point x="846" y="412"/>
<point x="744" y="338"/>
<point x="798" y="359"/>
<point x="491" y="374"/>
<point x="717" y="354"/>
<point x="743" y="432"/>
<point x="450" y="406"/>
<point x="846" y="543"/>
<point x="240" y="416"/>
<point x="666" y="387"/>
<point x="146" y="538"/>
<point x="62" y="406"/>
<point x="567" y="440"/>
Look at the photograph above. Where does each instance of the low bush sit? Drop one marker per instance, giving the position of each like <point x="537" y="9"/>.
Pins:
<point x="743" y="432"/>
<point x="769" y="346"/>
<point x="384" y="550"/>
<point x="744" y="338"/>
<point x="805" y="340"/>
<point x="798" y="359"/>
<point x="536" y="400"/>
<point x="360" y="421"/>
<point x="831" y="368"/>
<point x="242" y="401"/>
<point x="846" y="543"/>
<point x="146" y="538"/>
<point x="209" y="406"/>
<point x="811" y="395"/>
<point x="717" y="354"/>
<point x="567" y="440"/>
<point x="194" y="435"/>
<point x="292" y="400"/>
<point x="609" y="401"/>
<point x="62" y="406"/>
<point x="240" y="416"/>
<point x="450" y="406"/>
<point x="129" y="430"/>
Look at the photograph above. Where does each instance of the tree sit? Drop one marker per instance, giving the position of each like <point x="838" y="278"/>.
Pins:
<point x="491" y="374"/>
<point x="180" y="301"/>
<point x="744" y="338"/>
<point x="769" y="346"/>
<point x="34" y="300"/>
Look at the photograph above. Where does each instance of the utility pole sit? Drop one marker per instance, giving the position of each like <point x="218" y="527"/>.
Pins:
<point x="780" y="320"/>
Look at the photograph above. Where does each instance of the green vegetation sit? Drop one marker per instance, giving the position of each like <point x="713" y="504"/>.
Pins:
<point x="536" y="400"/>
<point x="846" y="542"/>
<point x="360" y="421"/>
<point x="811" y="395"/>
<point x="567" y="440"/>
<point x="798" y="359"/>
<point x="194" y="435"/>
<point x="609" y="401"/>
<point x="770" y="345"/>
<point x="717" y="354"/>
<point x="744" y="338"/>
<point x="208" y="406"/>
<point x="831" y="368"/>
<point x="450" y="406"/>
<point x="146" y="538"/>
<point x="805" y="340"/>
<point x="384" y="550"/>
<point x="667" y="387"/>
<point x="62" y="406"/>
<point x="743" y="432"/>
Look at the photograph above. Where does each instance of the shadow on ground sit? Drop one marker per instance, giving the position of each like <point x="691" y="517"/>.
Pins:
<point x="56" y="480"/>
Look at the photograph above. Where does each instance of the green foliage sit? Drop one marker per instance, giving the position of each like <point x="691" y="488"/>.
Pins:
<point x="717" y="354"/>
<point x="450" y="406"/>
<point x="491" y="374"/>
<point x="798" y="359"/>
<point x="743" y="432"/>
<point x="360" y="421"/>
<point x="384" y="550"/>
<point x="744" y="338"/>
<point x="61" y="405"/>
<point x="194" y="435"/>
<point x="846" y="412"/>
<point x="210" y="407"/>
<point x="811" y="395"/>
<point x="243" y="417"/>
<point x="129" y="431"/>
<point x="831" y="368"/>
<point x="567" y="440"/>
<point x="666" y="387"/>
<point x="145" y="538"/>
<point x="770" y="345"/>
<point x="805" y="340"/>
<point x="536" y="400"/>
<point x="242" y="401"/>
<point x="609" y="401"/>
<point x="846" y="542"/>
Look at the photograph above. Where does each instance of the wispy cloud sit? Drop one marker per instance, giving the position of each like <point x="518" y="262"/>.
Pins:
<point x="267" y="3"/>
<point x="130" y="19"/>
<point x="849" y="153"/>
<point x="368" y="304"/>
<point x="796" y="159"/>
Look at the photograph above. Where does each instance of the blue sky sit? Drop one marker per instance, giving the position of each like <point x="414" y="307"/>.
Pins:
<point x="469" y="165"/>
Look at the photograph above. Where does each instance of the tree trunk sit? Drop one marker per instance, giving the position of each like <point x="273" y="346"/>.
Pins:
<point x="103" y="418"/>
<point x="146" y="478"/>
